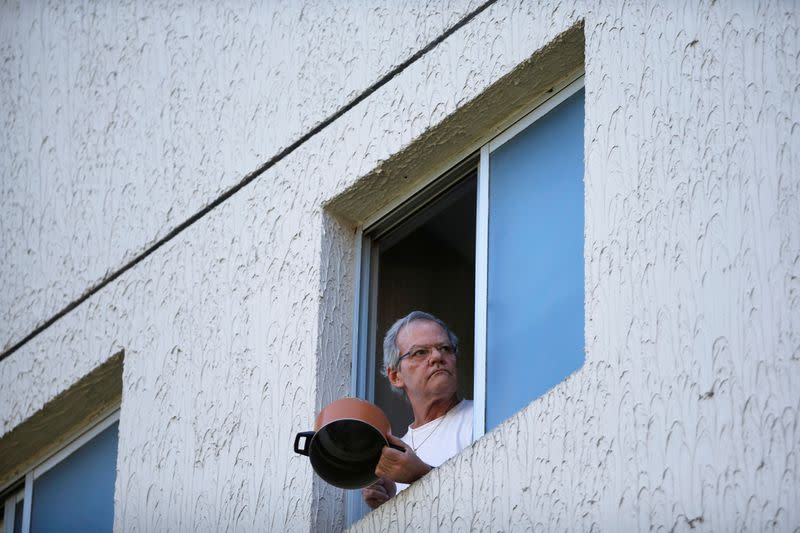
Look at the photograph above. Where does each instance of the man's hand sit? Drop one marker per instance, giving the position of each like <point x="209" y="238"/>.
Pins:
<point x="404" y="467"/>
<point x="379" y="492"/>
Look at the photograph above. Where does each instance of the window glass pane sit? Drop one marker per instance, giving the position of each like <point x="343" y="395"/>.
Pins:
<point x="77" y="494"/>
<point x="18" y="516"/>
<point x="535" y="318"/>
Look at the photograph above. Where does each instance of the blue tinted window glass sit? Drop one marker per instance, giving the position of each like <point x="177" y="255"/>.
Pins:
<point x="18" y="508"/>
<point x="535" y="324"/>
<point x="78" y="493"/>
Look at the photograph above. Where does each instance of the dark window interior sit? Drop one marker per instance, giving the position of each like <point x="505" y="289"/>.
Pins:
<point x="427" y="263"/>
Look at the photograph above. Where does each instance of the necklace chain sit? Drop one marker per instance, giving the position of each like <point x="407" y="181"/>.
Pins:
<point x="415" y="448"/>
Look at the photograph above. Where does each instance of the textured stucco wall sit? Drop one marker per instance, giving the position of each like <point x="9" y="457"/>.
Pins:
<point x="686" y="414"/>
<point x="237" y="330"/>
<point x="121" y="121"/>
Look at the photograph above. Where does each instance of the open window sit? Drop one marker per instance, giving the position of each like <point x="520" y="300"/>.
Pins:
<point x="494" y="247"/>
<point x="422" y="256"/>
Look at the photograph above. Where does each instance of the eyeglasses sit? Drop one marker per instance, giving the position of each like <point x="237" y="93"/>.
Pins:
<point x="420" y="353"/>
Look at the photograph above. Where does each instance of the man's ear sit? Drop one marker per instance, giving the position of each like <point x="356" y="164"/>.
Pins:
<point x="394" y="377"/>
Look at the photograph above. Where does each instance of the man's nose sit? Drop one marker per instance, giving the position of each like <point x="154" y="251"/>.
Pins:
<point x="436" y="354"/>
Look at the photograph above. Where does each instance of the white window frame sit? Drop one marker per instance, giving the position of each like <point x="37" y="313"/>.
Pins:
<point x="51" y="461"/>
<point x="363" y="368"/>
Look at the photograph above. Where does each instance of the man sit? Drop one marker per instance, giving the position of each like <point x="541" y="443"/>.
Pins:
<point x="419" y="354"/>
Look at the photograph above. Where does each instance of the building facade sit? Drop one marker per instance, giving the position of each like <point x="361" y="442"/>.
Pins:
<point x="184" y="194"/>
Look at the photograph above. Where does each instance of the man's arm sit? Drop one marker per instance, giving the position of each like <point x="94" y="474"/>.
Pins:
<point x="379" y="492"/>
<point x="394" y="465"/>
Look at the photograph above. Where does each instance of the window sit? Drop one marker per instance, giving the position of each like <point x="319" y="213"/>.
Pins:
<point x="71" y="491"/>
<point x="494" y="247"/>
<point x="421" y="257"/>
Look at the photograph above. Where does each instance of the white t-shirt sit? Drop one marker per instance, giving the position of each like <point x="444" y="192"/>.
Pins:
<point x="440" y="439"/>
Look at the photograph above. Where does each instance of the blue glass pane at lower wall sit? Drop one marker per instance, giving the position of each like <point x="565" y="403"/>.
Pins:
<point x="18" y="508"/>
<point x="535" y="316"/>
<point x="77" y="494"/>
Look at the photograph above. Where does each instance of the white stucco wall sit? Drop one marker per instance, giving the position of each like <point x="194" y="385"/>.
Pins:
<point x="237" y="330"/>
<point x="122" y="121"/>
<point x="686" y="412"/>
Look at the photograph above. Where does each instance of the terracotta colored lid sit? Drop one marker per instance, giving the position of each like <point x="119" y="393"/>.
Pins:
<point x="354" y="409"/>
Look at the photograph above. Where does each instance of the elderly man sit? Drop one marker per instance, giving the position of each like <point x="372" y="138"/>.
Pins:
<point x="419" y="354"/>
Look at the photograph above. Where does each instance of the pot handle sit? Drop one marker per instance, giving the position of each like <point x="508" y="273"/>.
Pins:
<point x="304" y="450"/>
<point x="398" y="448"/>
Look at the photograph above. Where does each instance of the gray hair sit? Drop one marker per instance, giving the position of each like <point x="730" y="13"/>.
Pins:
<point x="391" y="353"/>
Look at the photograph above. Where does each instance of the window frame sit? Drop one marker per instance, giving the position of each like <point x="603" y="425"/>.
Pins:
<point x="10" y="502"/>
<point x="73" y="444"/>
<point x="364" y="339"/>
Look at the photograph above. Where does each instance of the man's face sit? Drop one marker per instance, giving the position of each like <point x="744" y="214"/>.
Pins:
<point x="425" y="378"/>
